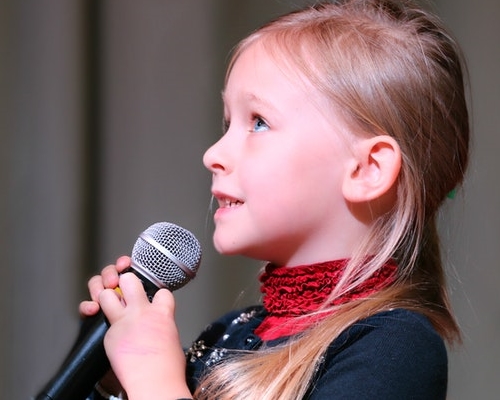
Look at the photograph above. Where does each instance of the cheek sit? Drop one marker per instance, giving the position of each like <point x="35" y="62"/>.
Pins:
<point x="269" y="183"/>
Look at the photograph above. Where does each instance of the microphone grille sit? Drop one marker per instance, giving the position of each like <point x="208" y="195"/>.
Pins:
<point x="168" y="254"/>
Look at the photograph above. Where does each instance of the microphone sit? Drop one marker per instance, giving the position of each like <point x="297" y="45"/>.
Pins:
<point x="164" y="256"/>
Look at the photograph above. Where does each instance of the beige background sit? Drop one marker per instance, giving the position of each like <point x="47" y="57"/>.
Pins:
<point x="106" y="109"/>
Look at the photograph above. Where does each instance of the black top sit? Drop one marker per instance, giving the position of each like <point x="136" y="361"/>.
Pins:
<point x="392" y="355"/>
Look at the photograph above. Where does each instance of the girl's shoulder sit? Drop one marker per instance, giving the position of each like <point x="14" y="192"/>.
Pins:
<point x="397" y="330"/>
<point x="388" y="355"/>
<point x="398" y="321"/>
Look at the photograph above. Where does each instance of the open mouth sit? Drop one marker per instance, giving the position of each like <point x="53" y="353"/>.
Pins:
<point x="229" y="203"/>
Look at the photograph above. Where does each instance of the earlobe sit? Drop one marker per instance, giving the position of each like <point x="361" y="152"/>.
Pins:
<point x="374" y="171"/>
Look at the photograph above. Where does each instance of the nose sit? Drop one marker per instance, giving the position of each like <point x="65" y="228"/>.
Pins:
<point x="214" y="159"/>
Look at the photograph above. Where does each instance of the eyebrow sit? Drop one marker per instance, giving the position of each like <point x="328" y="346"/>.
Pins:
<point x="254" y="99"/>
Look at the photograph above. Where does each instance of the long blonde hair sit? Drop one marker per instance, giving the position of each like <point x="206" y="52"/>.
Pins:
<point x="391" y="68"/>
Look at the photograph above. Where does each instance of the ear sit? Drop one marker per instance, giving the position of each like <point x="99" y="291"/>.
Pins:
<point x="375" y="169"/>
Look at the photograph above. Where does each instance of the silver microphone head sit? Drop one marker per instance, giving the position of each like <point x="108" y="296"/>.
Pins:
<point x="166" y="254"/>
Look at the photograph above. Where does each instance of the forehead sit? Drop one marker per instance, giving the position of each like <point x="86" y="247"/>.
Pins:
<point x="260" y="67"/>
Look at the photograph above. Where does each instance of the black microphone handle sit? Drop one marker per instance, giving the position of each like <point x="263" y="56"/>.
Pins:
<point x="83" y="367"/>
<point x="87" y="362"/>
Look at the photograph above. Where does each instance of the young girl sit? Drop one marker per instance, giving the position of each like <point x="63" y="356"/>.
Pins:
<point x="345" y="128"/>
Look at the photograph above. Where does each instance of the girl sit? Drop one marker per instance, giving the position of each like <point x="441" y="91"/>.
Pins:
<point x="345" y="127"/>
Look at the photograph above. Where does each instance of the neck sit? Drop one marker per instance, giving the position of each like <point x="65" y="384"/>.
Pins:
<point x="302" y="291"/>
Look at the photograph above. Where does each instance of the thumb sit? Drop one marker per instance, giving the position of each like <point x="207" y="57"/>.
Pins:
<point x="164" y="298"/>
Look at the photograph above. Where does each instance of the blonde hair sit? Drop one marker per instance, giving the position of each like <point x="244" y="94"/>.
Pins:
<point x="391" y="68"/>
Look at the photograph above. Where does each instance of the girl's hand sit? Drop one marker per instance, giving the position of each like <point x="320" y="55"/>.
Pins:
<point x="107" y="280"/>
<point x="143" y="343"/>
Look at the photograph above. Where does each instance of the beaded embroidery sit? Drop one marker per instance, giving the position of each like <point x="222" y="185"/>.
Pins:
<point x="198" y="349"/>
<point x="215" y="356"/>
<point x="243" y="318"/>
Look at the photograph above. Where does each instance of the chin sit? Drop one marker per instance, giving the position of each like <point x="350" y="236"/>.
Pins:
<point x="225" y="249"/>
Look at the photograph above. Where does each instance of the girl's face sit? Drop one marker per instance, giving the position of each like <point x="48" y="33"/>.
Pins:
<point x="278" y="169"/>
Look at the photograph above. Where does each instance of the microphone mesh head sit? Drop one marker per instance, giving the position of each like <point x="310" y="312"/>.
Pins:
<point x="164" y="250"/>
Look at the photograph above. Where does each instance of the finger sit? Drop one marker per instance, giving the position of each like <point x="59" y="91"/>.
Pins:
<point x="165" y="299"/>
<point x="110" y="276"/>
<point x="132" y="290"/>
<point x="123" y="263"/>
<point x="111" y="304"/>
<point x="95" y="286"/>
<point x="110" y="273"/>
<point x="88" y="308"/>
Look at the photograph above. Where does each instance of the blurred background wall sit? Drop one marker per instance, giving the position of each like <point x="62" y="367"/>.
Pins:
<point x="106" y="107"/>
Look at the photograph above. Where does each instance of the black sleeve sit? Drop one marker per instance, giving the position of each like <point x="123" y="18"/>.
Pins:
<point x="95" y="396"/>
<point x="392" y="355"/>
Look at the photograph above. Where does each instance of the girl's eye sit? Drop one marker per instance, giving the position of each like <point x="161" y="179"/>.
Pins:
<point x="259" y="125"/>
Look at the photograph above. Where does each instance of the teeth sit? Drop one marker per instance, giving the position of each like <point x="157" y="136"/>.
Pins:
<point x="231" y="203"/>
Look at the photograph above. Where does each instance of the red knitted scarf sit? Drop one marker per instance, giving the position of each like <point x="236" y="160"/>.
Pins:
<point x="293" y="292"/>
